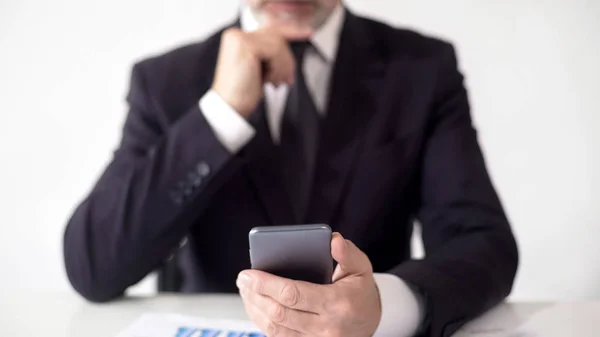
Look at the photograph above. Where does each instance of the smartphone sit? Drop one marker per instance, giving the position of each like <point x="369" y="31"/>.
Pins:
<point x="298" y="252"/>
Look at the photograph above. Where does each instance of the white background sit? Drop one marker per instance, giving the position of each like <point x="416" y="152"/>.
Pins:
<point x="532" y="68"/>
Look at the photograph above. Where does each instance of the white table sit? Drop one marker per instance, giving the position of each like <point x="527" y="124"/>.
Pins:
<point x="38" y="313"/>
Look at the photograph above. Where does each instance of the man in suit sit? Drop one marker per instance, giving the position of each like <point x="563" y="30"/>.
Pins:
<point x="302" y="113"/>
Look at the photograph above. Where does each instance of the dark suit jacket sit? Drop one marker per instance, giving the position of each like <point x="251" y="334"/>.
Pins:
<point x="397" y="145"/>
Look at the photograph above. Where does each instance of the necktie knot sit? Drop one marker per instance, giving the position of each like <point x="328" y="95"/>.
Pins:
<point x="299" y="50"/>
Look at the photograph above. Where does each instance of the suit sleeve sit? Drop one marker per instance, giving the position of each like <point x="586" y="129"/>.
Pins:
<point x="471" y="254"/>
<point x="156" y="186"/>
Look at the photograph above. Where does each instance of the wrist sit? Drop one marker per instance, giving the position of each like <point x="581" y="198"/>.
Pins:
<point x="230" y="128"/>
<point x="238" y="103"/>
<point x="379" y="314"/>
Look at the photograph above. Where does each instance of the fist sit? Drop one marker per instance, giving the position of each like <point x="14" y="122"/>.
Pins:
<point x="350" y="307"/>
<point x="248" y="60"/>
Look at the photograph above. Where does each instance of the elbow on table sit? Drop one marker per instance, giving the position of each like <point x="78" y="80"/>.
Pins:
<point x="83" y="280"/>
<point x="96" y="295"/>
<point x="93" y="284"/>
<point x="508" y="249"/>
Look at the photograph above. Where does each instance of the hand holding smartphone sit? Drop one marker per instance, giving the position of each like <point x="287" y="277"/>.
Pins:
<point x="297" y="252"/>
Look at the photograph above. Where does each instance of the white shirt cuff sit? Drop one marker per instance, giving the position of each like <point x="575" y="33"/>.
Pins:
<point x="230" y="128"/>
<point x="402" y="309"/>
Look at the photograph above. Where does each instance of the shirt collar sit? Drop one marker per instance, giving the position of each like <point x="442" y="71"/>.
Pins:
<point x="326" y="39"/>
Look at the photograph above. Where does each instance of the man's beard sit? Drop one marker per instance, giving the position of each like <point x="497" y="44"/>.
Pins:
<point x="315" y="21"/>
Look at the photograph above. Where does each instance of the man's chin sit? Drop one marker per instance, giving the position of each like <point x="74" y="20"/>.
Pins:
<point x="289" y="21"/>
<point x="288" y="24"/>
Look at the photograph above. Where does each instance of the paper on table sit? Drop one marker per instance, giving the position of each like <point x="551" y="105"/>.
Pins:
<point x="175" y="325"/>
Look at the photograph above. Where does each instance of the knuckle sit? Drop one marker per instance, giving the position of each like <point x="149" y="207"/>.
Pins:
<point x="345" y="308"/>
<point x="278" y="314"/>
<point x="289" y="295"/>
<point x="232" y="33"/>
<point x="328" y="304"/>
<point x="272" y="329"/>
<point x="332" y="331"/>
<point x="282" y="46"/>
<point x="259" y="286"/>
<point x="233" y="38"/>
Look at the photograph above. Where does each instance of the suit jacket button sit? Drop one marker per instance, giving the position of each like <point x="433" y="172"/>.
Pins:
<point x="188" y="191"/>
<point x="178" y="200"/>
<point x="203" y="169"/>
<point x="194" y="179"/>
<point x="176" y="197"/>
<point x="197" y="181"/>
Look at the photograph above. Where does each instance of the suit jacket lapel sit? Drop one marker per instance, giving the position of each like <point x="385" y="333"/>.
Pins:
<point x="357" y="75"/>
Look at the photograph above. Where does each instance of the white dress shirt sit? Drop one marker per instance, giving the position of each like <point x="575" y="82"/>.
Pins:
<point x="402" y="308"/>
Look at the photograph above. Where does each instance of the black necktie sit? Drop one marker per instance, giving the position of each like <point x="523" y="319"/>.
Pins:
<point x="299" y="136"/>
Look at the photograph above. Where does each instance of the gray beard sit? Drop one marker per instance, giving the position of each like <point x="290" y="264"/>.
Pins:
<point x="315" y="22"/>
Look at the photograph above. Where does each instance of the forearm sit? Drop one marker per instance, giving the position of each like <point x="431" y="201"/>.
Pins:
<point x="142" y="206"/>
<point x="468" y="275"/>
<point x="471" y="254"/>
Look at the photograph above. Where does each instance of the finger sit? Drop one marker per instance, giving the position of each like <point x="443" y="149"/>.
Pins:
<point x="338" y="274"/>
<point x="267" y="326"/>
<point x="290" y="293"/>
<point x="275" y="79"/>
<point x="297" y="320"/>
<point x="282" y="66"/>
<point x="274" y="51"/>
<point x="350" y="259"/>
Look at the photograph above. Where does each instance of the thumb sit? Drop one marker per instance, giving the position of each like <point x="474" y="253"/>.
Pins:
<point x="350" y="259"/>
